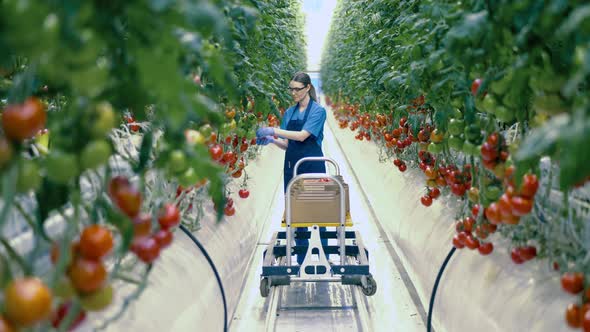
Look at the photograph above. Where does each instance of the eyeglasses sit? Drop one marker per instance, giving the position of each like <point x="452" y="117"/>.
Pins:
<point x="295" y="89"/>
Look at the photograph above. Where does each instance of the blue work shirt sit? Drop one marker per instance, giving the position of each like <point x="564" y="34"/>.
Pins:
<point x="315" y="120"/>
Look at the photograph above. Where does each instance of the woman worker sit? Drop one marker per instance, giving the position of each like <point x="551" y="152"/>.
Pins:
<point x="302" y="130"/>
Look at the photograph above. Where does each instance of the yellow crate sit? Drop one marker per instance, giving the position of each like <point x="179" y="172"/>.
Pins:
<point x="348" y="223"/>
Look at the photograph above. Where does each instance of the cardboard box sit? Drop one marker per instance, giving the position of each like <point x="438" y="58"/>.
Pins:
<point x="317" y="201"/>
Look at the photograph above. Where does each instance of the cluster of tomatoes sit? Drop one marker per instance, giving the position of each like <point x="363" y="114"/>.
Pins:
<point x="466" y="228"/>
<point x="229" y="158"/>
<point x="494" y="151"/>
<point x="513" y="203"/>
<point x="400" y="137"/>
<point x="146" y="244"/>
<point x="458" y="180"/>
<point x="523" y="254"/>
<point x="86" y="274"/>
<point x="363" y="135"/>
<point x="576" y="315"/>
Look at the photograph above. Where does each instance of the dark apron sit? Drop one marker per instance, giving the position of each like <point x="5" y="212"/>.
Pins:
<point x="297" y="150"/>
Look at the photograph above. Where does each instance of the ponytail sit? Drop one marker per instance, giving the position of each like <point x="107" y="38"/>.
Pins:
<point x="312" y="93"/>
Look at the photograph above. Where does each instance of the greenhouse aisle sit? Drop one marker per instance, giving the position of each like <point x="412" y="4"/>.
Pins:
<point x="333" y="307"/>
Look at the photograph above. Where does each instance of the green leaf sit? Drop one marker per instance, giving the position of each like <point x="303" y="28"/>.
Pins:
<point x="145" y="151"/>
<point x="542" y="141"/>
<point x="573" y="21"/>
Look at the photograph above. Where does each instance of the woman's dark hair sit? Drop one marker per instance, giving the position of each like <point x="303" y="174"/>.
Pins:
<point x="302" y="77"/>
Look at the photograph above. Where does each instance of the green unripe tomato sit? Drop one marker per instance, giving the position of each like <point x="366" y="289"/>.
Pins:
<point x="29" y="177"/>
<point x="98" y="300"/>
<point x="103" y="120"/>
<point x="61" y="166"/>
<point x="177" y="162"/>
<point x="95" y="153"/>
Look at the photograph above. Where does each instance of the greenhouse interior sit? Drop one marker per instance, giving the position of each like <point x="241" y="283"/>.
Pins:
<point x="294" y="165"/>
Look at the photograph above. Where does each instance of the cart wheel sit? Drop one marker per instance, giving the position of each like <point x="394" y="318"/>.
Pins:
<point x="371" y="288"/>
<point x="264" y="287"/>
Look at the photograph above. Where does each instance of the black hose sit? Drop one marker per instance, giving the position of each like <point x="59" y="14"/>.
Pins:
<point x="192" y="237"/>
<point x="440" y="272"/>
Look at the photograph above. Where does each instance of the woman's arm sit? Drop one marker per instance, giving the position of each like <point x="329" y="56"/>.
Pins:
<point x="300" y="135"/>
<point x="281" y="143"/>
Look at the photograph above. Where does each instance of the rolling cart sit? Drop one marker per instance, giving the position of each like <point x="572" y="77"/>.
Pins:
<point x="319" y="200"/>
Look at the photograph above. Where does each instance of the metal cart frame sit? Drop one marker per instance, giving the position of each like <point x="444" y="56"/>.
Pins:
<point x="353" y="267"/>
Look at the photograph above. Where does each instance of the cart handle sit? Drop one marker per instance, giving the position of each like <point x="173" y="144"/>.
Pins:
<point x="302" y="160"/>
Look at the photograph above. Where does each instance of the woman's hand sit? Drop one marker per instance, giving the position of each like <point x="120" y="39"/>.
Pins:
<point x="265" y="131"/>
<point x="264" y="140"/>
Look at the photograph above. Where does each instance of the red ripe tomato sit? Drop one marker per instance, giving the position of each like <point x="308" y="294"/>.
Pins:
<point x="459" y="226"/>
<point x="23" y="121"/>
<point x="87" y="275"/>
<point x="514" y="254"/>
<point x="397" y="162"/>
<point x="116" y="183"/>
<point x="95" y="242"/>
<point x="528" y="252"/>
<point x="229" y="211"/>
<point x="403" y="167"/>
<point x="530" y="184"/>
<point x="573" y="316"/>
<point x="61" y="312"/>
<point x="237" y="174"/>
<point x="586" y="319"/>
<point x="434" y="193"/>
<point x="572" y="282"/>
<point x="493" y="139"/>
<point x="142" y="225"/>
<point x="216" y="152"/>
<point x="146" y="248"/>
<point x="229" y="157"/>
<point x="475" y="86"/>
<point x="471" y="242"/>
<point x="489" y="152"/>
<point x="521" y="206"/>
<point x="505" y="205"/>
<point x="403" y="121"/>
<point x="128" y="199"/>
<point x="163" y="237"/>
<point x="169" y="216"/>
<point x="468" y="224"/>
<point x="458" y="189"/>
<point x="485" y="248"/>
<point x="130" y="119"/>
<point x="426" y="200"/>
<point x="244" y="193"/>
<point x="243" y="147"/>
<point x="475" y="210"/>
<point x="457" y="242"/>
<point x="462" y="237"/>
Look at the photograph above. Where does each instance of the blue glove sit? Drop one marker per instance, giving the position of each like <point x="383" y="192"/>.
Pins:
<point x="265" y="131"/>
<point x="264" y="140"/>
